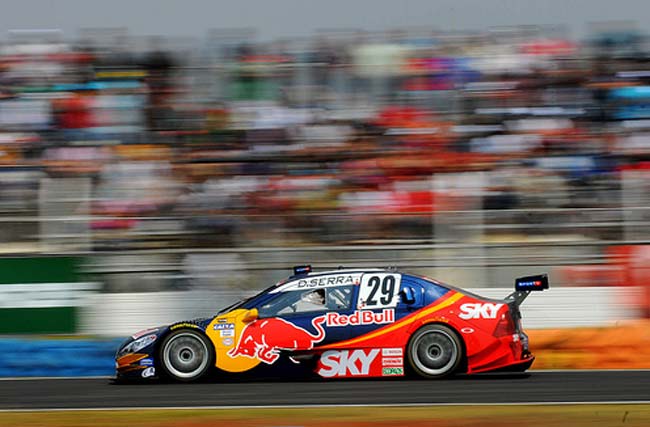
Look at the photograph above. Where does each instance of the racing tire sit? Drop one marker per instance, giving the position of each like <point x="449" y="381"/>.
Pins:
<point x="434" y="351"/>
<point x="186" y="355"/>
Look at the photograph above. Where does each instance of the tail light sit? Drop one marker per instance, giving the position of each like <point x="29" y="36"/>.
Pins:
<point x="505" y="326"/>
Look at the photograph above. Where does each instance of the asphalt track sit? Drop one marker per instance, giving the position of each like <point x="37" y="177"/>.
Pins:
<point x="561" y="387"/>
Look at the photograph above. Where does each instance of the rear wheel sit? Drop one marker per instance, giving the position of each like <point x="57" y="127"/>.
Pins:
<point x="186" y="355"/>
<point x="434" y="351"/>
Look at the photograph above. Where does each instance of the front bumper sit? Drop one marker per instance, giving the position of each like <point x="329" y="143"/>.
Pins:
<point x="134" y="361"/>
<point x="135" y="366"/>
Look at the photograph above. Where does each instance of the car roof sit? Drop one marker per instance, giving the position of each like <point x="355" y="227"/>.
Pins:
<point x="289" y="283"/>
<point x="339" y="271"/>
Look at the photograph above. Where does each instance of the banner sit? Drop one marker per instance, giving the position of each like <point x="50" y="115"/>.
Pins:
<point x="41" y="295"/>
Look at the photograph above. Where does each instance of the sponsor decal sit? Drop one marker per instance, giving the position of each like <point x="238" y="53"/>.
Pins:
<point x="343" y="363"/>
<point x="320" y="282"/>
<point x="143" y="333"/>
<point x="467" y="330"/>
<point x="264" y="338"/>
<point x="227" y="341"/>
<point x="184" y="325"/>
<point x="222" y="326"/>
<point x="361" y="317"/>
<point x="392" y="371"/>
<point x="146" y="362"/>
<point x="392" y="361"/>
<point x="222" y="320"/>
<point x="149" y="372"/>
<point x="479" y="310"/>
<point x="531" y="284"/>
<point x="392" y="352"/>
<point x="302" y="269"/>
<point x="225" y="329"/>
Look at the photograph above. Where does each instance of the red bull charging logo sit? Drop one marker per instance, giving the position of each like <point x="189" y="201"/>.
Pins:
<point x="263" y="339"/>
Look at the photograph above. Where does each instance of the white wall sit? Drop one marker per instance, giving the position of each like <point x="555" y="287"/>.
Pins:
<point x="570" y="307"/>
<point x="126" y="313"/>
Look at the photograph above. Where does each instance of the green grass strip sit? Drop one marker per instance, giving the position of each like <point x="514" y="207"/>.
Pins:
<point x="605" y="415"/>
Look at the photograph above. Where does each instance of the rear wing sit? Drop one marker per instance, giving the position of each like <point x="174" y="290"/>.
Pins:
<point x="525" y="285"/>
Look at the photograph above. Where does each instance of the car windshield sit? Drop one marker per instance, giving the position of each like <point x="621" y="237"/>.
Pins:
<point x="241" y="302"/>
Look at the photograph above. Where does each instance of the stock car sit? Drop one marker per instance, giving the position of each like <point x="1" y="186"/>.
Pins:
<point x="343" y="323"/>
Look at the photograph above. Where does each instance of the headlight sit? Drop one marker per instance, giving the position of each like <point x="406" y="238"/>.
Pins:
<point x="137" y="345"/>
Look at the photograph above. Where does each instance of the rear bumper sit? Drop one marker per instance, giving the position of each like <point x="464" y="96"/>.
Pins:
<point x="520" y="366"/>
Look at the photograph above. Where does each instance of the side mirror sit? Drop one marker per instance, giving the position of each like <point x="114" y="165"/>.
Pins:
<point x="408" y="295"/>
<point x="250" y="316"/>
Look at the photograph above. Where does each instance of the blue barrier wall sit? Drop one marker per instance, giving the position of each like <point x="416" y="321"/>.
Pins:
<point x="57" y="357"/>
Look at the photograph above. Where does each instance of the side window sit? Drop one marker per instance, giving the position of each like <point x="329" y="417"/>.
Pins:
<point x="305" y="301"/>
<point x="339" y="298"/>
<point x="411" y="293"/>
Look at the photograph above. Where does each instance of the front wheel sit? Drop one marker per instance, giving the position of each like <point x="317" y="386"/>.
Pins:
<point x="434" y="351"/>
<point x="186" y="355"/>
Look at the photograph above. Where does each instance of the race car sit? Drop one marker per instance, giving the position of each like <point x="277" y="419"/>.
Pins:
<point x="343" y="323"/>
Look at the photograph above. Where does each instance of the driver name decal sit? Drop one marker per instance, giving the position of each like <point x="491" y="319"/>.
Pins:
<point x="327" y="281"/>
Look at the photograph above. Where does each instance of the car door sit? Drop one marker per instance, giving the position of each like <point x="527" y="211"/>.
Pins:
<point x="374" y="304"/>
<point x="305" y="318"/>
<point x="382" y="299"/>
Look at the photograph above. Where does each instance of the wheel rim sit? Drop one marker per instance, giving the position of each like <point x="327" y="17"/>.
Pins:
<point x="185" y="355"/>
<point x="434" y="352"/>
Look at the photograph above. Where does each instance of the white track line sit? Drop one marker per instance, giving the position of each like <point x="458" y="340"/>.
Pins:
<point x="538" y="371"/>
<point x="532" y="371"/>
<point x="316" y="406"/>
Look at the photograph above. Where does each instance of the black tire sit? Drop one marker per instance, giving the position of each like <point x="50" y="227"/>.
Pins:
<point x="435" y="351"/>
<point x="186" y="355"/>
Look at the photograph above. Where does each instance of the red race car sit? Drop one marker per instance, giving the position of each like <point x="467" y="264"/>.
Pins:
<point x="342" y="323"/>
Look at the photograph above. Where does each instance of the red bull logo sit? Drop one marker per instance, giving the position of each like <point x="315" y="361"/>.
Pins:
<point x="264" y="338"/>
<point x="361" y="317"/>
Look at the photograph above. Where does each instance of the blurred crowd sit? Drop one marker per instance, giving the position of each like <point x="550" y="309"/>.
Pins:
<point x="342" y="137"/>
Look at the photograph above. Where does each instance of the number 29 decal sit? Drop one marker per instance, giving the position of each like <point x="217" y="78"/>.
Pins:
<point x="379" y="290"/>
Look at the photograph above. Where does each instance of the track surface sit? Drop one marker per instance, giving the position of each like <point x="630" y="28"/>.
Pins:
<point x="570" y="386"/>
